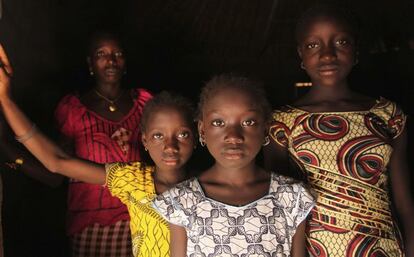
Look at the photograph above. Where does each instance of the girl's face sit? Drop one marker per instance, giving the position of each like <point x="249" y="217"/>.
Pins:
<point x="107" y="61"/>
<point x="233" y="128"/>
<point x="168" y="138"/>
<point x="327" y="50"/>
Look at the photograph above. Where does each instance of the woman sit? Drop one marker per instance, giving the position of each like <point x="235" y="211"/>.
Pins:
<point x="102" y="126"/>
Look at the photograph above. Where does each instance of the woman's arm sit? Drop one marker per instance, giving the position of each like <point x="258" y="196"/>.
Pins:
<point x="178" y="241"/>
<point x="45" y="150"/>
<point x="400" y="180"/>
<point x="298" y="242"/>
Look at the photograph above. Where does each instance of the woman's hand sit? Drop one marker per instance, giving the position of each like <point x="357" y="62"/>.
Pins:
<point x="6" y="73"/>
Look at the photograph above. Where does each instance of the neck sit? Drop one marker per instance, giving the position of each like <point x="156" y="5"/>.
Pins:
<point x="109" y="90"/>
<point x="168" y="178"/>
<point x="236" y="176"/>
<point x="330" y="93"/>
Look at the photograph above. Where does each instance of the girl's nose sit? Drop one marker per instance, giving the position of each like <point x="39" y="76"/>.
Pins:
<point x="171" y="144"/>
<point x="234" y="135"/>
<point x="328" y="52"/>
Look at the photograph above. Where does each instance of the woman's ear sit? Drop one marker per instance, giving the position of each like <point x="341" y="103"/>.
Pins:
<point x="299" y="52"/>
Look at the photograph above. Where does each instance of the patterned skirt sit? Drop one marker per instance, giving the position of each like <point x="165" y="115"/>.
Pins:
<point x="103" y="241"/>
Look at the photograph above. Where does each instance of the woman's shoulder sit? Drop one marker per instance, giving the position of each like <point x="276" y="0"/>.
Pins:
<point x="138" y="170"/>
<point x="141" y="94"/>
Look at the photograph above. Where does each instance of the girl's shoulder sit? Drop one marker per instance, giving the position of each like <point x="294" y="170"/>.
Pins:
<point x="282" y="186"/>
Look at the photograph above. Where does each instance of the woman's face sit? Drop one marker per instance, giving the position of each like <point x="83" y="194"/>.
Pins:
<point x="327" y="50"/>
<point x="107" y="61"/>
<point x="169" y="138"/>
<point x="233" y="128"/>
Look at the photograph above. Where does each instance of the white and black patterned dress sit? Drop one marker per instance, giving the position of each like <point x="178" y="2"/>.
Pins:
<point x="264" y="227"/>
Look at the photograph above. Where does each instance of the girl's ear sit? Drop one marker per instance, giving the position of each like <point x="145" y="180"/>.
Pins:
<point x="200" y="126"/>
<point x="144" y="140"/>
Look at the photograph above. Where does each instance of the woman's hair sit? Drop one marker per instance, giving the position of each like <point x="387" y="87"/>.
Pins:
<point x="99" y="35"/>
<point x="342" y="14"/>
<point x="237" y="83"/>
<point x="168" y="99"/>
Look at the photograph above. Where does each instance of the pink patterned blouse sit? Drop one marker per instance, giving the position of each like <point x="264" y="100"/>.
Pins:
<point x="102" y="141"/>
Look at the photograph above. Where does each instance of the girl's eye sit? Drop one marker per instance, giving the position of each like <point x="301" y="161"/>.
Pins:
<point x="248" y="123"/>
<point x="184" y="134"/>
<point x="311" y="45"/>
<point x="157" y="136"/>
<point x="217" y="123"/>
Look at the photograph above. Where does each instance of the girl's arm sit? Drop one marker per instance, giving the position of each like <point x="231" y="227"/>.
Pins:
<point x="298" y="242"/>
<point x="45" y="150"/>
<point x="178" y="241"/>
<point x="400" y="180"/>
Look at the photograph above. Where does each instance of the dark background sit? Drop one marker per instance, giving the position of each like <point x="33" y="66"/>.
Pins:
<point x="175" y="45"/>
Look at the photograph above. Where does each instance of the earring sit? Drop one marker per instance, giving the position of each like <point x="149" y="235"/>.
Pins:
<point x="146" y="150"/>
<point x="91" y="73"/>
<point x="201" y="139"/>
<point x="302" y="66"/>
<point x="266" y="141"/>
<point x="356" y="61"/>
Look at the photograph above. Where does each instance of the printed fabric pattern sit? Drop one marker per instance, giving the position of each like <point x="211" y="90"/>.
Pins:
<point x="133" y="184"/>
<point x="344" y="156"/>
<point x="264" y="227"/>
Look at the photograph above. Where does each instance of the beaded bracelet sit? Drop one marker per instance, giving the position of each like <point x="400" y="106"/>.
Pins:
<point x="28" y="135"/>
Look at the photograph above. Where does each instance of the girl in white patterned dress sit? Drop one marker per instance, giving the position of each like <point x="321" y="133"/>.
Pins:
<point x="235" y="208"/>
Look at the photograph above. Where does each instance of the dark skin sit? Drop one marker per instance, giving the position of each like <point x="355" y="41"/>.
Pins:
<point x="233" y="129"/>
<point x="11" y="150"/>
<point x="107" y="63"/>
<point x="328" y="52"/>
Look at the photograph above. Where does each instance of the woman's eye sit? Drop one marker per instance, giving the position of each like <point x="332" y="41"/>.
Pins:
<point x="157" y="136"/>
<point x="184" y="134"/>
<point x="119" y="54"/>
<point x="248" y="123"/>
<point x="342" y="42"/>
<point x="100" y="54"/>
<point x="217" y="123"/>
<point x="311" y="45"/>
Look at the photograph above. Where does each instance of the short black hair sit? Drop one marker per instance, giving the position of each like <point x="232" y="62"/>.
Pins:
<point x="172" y="100"/>
<point x="102" y="34"/>
<point x="229" y="80"/>
<point x="341" y="13"/>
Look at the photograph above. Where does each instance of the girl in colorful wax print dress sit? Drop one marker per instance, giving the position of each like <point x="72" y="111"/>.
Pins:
<point x="348" y="146"/>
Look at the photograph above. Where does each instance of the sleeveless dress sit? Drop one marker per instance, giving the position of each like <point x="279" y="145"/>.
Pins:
<point x="344" y="156"/>
<point x="133" y="184"/>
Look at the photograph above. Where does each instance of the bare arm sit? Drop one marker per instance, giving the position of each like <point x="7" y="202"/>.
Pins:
<point x="178" y="241"/>
<point x="400" y="180"/>
<point x="298" y="242"/>
<point x="44" y="149"/>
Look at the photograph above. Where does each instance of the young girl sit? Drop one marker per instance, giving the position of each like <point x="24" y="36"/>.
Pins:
<point x="235" y="208"/>
<point x="347" y="144"/>
<point x="167" y="134"/>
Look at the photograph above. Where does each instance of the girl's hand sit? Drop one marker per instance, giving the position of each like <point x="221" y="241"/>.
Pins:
<point x="6" y="72"/>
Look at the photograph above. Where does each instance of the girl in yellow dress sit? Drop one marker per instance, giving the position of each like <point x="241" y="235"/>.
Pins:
<point x="349" y="147"/>
<point x="167" y="134"/>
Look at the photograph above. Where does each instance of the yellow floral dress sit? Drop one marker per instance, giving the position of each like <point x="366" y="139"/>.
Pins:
<point x="344" y="156"/>
<point x="133" y="184"/>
